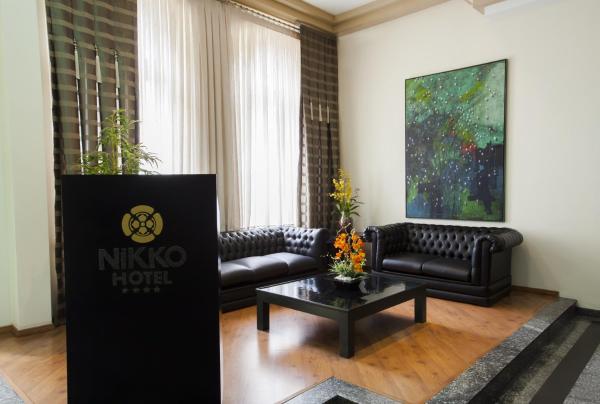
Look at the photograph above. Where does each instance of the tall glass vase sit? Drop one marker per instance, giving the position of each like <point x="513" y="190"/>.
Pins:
<point x="345" y="224"/>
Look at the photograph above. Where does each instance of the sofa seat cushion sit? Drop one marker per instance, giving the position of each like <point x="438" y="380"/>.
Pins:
<point x="406" y="262"/>
<point x="296" y="263"/>
<point x="233" y="274"/>
<point x="448" y="268"/>
<point x="262" y="267"/>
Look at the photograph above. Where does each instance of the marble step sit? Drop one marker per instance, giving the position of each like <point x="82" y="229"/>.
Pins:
<point x="336" y="391"/>
<point x="526" y="385"/>
<point x="587" y="387"/>
<point x="491" y="375"/>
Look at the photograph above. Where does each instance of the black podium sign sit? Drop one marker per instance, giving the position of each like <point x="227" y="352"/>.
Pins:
<point x="141" y="289"/>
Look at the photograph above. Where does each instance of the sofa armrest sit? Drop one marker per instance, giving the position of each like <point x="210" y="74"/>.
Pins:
<point x="505" y="240"/>
<point x="385" y="240"/>
<point x="310" y="242"/>
<point x="501" y="240"/>
<point x="498" y="241"/>
<point x="486" y="267"/>
<point x="369" y="234"/>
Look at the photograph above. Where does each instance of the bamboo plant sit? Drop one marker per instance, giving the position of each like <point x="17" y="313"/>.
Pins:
<point x="115" y="154"/>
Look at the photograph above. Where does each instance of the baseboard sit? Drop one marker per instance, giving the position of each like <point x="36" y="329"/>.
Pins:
<point x="6" y="329"/>
<point x="30" y="331"/>
<point x="536" y="290"/>
<point x="588" y="312"/>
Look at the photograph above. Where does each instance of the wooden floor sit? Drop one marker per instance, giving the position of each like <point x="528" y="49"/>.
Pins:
<point x="394" y="357"/>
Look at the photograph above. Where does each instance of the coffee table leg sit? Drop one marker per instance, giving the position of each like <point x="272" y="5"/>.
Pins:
<point x="421" y="308"/>
<point x="346" y="338"/>
<point x="262" y="315"/>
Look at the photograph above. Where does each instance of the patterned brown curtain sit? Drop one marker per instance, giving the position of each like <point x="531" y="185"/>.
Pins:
<point x="319" y="137"/>
<point x="93" y="62"/>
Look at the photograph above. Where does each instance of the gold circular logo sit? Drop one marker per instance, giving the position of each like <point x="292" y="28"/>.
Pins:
<point x="142" y="224"/>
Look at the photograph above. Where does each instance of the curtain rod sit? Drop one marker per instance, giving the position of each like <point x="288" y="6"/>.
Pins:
<point x="274" y="20"/>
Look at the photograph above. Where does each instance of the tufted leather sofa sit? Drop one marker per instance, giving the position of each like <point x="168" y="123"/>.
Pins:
<point x="468" y="264"/>
<point x="263" y="256"/>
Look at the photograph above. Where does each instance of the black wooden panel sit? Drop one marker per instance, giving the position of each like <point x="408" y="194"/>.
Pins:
<point x="142" y="289"/>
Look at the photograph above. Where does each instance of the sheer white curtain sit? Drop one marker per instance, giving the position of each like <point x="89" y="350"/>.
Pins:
<point x="186" y="112"/>
<point x="220" y="93"/>
<point x="266" y="82"/>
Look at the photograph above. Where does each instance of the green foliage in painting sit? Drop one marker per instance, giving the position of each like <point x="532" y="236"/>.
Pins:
<point x="455" y="143"/>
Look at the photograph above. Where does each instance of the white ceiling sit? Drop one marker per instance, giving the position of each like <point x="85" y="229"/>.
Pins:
<point x="336" y="7"/>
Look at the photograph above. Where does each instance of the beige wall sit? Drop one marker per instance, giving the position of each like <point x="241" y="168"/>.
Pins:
<point x="5" y="240"/>
<point x="24" y="213"/>
<point x="553" y="129"/>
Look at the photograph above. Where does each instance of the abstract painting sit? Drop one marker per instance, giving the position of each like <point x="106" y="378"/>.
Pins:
<point x="455" y="132"/>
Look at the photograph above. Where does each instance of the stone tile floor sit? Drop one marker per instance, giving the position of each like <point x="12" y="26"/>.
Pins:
<point x="333" y="390"/>
<point x="7" y="394"/>
<point x="587" y="387"/>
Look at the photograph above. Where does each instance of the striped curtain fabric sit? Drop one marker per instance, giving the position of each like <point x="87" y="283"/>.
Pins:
<point x="93" y="62"/>
<point x="319" y="137"/>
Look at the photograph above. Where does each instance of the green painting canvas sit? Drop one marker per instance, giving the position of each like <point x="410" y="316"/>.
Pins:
<point x="455" y="132"/>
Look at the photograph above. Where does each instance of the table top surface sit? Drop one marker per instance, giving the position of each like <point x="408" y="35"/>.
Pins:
<point x="323" y="290"/>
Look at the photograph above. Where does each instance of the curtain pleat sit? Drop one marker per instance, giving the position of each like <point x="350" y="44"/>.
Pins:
<point x="84" y="37"/>
<point x="319" y="135"/>
<point x="219" y="93"/>
<point x="266" y="83"/>
<point x="186" y="97"/>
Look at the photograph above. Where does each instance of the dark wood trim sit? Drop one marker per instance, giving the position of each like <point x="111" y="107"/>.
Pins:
<point x="30" y="331"/>
<point x="588" y="312"/>
<point x="5" y="329"/>
<point x="537" y="291"/>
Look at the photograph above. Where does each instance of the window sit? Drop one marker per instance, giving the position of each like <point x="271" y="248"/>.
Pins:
<point x="220" y="93"/>
<point x="266" y="71"/>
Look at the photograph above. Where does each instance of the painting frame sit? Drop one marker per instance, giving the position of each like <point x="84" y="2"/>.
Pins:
<point x="500" y="212"/>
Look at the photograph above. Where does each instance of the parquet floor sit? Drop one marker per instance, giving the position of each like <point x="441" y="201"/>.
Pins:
<point x="394" y="357"/>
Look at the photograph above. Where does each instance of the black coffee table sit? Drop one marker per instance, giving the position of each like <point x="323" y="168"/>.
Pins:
<point x="321" y="296"/>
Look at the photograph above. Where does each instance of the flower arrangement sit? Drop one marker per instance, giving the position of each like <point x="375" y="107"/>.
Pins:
<point x="349" y="259"/>
<point x="346" y="200"/>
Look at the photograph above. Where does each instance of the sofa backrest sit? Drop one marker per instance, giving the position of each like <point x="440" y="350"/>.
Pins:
<point x="443" y="240"/>
<point x="305" y="241"/>
<point x="252" y="242"/>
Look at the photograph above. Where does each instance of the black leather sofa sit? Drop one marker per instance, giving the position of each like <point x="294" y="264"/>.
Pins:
<point x="467" y="264"/>
<point x="263" y="256"/>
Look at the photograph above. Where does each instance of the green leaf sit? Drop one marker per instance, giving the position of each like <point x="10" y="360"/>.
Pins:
<point x="115" y="155"/>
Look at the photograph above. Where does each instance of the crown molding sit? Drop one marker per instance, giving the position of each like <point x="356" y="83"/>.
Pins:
<point x="308" y="9"/>
<point x="377" y="12"/>
<point x="481" y="5"/>
<point x="490" y="7"/>
<point x="368" y="15"/>
<point x="295" y="11"/>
